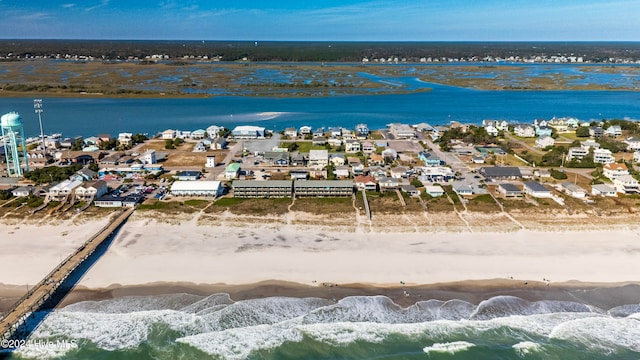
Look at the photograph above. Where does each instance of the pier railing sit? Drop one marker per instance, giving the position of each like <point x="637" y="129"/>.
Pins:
<point x="42" y="291"/>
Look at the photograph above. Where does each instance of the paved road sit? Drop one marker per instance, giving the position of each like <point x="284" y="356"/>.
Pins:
<point x="455" y="163"/>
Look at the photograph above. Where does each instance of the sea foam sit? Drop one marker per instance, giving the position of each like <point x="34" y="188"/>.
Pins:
<point x="450" y="347"/>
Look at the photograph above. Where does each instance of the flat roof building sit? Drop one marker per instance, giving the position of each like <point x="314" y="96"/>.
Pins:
<point x="196" y="188"/>
<point x="323" y="188"/>
<point x="262" y="189"/>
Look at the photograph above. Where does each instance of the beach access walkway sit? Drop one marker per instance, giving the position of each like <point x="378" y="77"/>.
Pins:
<point x="39" y="294"/>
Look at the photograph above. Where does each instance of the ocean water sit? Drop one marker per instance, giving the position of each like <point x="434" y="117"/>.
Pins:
<point x="91" y="116"/>
<point x="183" y="326"/>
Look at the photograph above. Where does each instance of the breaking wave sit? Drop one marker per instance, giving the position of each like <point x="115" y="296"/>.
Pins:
<point x="220" y="327"/>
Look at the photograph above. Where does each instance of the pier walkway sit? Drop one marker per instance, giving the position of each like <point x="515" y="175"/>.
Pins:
<point x="39" y="294"/>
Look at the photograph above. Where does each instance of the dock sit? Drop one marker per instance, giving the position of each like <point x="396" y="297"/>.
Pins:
<point x="40" y="293"/>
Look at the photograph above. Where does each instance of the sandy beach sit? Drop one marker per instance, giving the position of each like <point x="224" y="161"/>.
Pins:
<point x="201" y="255"/>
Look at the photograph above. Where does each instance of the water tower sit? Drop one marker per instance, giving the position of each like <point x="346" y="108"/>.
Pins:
<point x="13" y="135"/>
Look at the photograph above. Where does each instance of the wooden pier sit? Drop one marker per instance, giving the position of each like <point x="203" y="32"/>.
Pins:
<point x="39" y="294"/>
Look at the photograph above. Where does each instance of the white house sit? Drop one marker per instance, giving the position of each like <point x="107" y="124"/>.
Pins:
<point x="125" y="139"/>
<point x="305" y="130"/>
<point x="544" y="141"/>
<point x="60" y="191"/>
<point x="633" y="143"/>
<point x="614" y="170"/>
<point x="491" y="130"/>
<point x="613" y="130"/>
<point x="603" y="190"/>
<point x="399" y="172"/>
<point x="536" y="189"/>
<point x="577" y="153"/>
<point x="92" y="190"/>
<point x="211" y="162"/>
<point x="196" y="188"/>
<point x="352" y="146"/>
<point x="149" y="157"/>
<point x="22" y="191"/>
<point x="574" y="190"/>
<point x="603" y="156"/>
<point x="588" y="144"/>
<point x="213" y="131"/>
<point x="341" y="171"/>
<point x="524" y="130"/>
<point x="434" y="190"/>
<point x="169" y="134"/>
<point x="626" y="184"/>
<point x="291" y="132"/>
<point x="232" y="171"/>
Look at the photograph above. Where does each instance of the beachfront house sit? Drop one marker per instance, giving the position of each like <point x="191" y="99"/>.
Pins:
<point x="22" y="191"/>
<point x="434" y="190"/>
<point x="388" y="183"/>
<point x="402" y="131"/>
<point x="366" y="182"/>
<point x="362" y="131"/>
<point x="335" y="132"/>
<point x="574" y="190"/>
<point x="633" y="143"/>
<point x="626" y="184"/>
<point x="613" y="130"/>
<point x="125" y="139"/>
<point x="462" y="189"/>
<point x="60" y="191"/>
<point x="196" y="188"/>
<point x="91" y="190"/>
<point x="614" y="170"/>
<point x="248" y="132"/>
<point x="213" y="131"/>
<point x="509" y="190"/>
<point x="603" y="190"/>
<point x="291" y="132"/>
<point x="305" y="130"/>
<point x="169" y="134"/>
<point x="524" y="130"/>
<point x="535" y="189"/>
<point x="410" y="189"/>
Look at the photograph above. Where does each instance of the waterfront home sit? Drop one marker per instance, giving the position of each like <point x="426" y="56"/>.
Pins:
<point x="491" y="130"/>
<point x="305" y="130"/>
<point x="337" y="159"/>
<point x="434" y="190"/>
<point x="436" y="174"/>
<point x="366" y="182"/>
<point x="500" y="172"/>
<point x="169" y="134"/>
<point x="232" y="171"/>
<point x="196" y="188"/>
<point x="388" y="183"/>
<point x="198" y="134"/>
<point x="125" y="139"/>
<point x="501" y="125"/>
<point x="543" y="131"/>
<point x="318" y="159"/>
<point x="213" y="131"/>
<point x="462" y="189"/>
<point x="399" y="172"/>
<point x="319" y="132"/>
<point x="187" y="175"/>
<point x="60" y="191"/>
<point x="613" y="130"/>
<point x="544" y="141"/>
<point x="291" y="132"/>
<point x="410" y="189"/>
<point x="540" y="123"/>
<point x="574" y="190"/>
<point x="524" y="130"/>
<point x="248" y="132"/>
<point x="509" y="190"/>
<point x="263" y="189"/>
<point x="603" y="156"/>
<point x="335" y="132"/>
<point x="626" y="184"/>
<point x="633" y="144"/>
<point x="402" y="131"/>
<point x="536" y="189"/>
<point x="323" y="188"/>
<point x="341" y="172"/>
<point x="108" y="201"/>
<point x="352" y="146"/>
<point x="613" y="170"/>
<point x="362" y="131"/>
<point x="91" y="190"/>
<point x="603" y="190"/>
<point x="22" y="191"/>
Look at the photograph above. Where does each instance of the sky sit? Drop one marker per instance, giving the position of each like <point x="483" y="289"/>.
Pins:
<point x="323" y="20"/>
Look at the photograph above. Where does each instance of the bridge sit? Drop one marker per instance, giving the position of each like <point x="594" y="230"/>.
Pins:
<point x="38" y="295"/>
